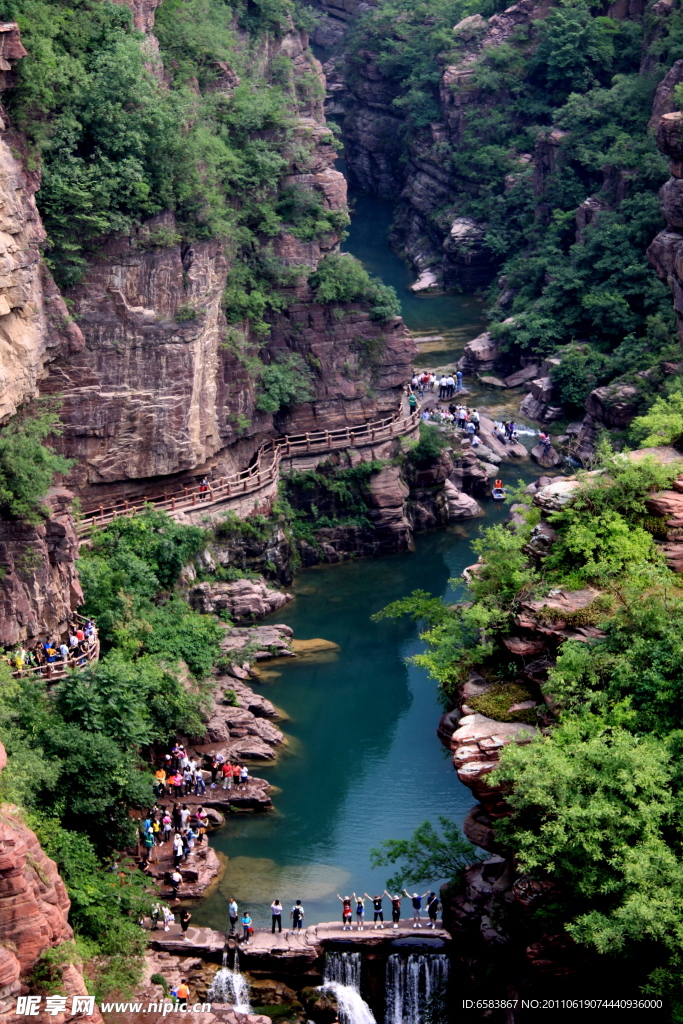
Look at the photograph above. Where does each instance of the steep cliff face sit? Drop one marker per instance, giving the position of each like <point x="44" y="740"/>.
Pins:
<point x="666" y="252"/>
<point x="160" y="390"/>
<point x="39" y="587"/>
<point x="35" y="327"/>
<point x="34" y="908"/>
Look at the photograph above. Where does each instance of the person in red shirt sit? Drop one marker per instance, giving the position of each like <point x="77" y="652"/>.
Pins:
<point x="226" y="771"/>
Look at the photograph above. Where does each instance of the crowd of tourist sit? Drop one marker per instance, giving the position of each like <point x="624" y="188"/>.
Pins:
<point x="178" y="775"/>
<point x="353" y="905"/>
<point x="446" y="385"/>
<point x="65" y="652"/>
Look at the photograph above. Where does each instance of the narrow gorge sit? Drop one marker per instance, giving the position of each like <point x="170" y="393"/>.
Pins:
<point x="268" y="631"/>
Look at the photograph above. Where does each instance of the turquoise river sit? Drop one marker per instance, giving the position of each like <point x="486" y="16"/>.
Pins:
<point x="363" y="762"/>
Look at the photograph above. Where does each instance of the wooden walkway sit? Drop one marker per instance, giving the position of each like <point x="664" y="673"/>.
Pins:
<point x="264" y="472"/>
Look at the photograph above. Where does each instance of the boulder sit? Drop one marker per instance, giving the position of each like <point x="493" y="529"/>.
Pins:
<point x="669" y="136"/>
<point x="469" y="28"/>
<point x="479" y="355"/>
<point x="545" y="457"/>
<point x="521" y="376"/>
<point x="614" y="405"/>
<point x="522" y="647"/>
<point x="460" y="505"/>
<point x="243" y="599"/>
<point x="542" y="389"/>
<point x="557" y="494"/>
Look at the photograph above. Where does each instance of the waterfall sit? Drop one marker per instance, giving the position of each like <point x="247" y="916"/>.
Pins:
<point x="411" y="982"/>
<point x="229" y="986"/>
<point x="342" y="978"/>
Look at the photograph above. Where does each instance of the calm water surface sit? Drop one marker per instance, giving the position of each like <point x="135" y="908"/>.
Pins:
<point x="455" y="318"/>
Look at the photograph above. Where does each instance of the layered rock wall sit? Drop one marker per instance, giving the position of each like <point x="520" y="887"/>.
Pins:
<point x="35" y="325"/>
<point x="34" y="908"/>
<point x="39" y="586"/>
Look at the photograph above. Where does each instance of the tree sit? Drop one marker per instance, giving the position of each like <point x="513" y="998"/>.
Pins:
<point x="427" y="856"/>
<point x="662" y="424"/>
<point x="27" y="466"/>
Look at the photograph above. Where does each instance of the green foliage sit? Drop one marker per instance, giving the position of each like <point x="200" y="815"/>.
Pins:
<point x="27" y="466"/>
<point x="327" y="497"/>
<point x="342" y="278"/>
<point x="580" y="371"/>
<point x="427" y="450"/>
<point x="496" y="703"/>
<point x="135" y="557"/>
<point x="662" y="424"/>
<point x="284" y="383"/>
<point x="428" y="856"/>
<point x="597" y="812"/>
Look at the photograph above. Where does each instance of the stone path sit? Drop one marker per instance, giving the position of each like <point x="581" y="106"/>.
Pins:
<point x="308" y="942"/>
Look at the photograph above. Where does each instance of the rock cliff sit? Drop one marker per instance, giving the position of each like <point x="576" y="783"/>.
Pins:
<point x="34" y="908"/>
<point x="666" y="251"/>
<point x="39" y="586"/>
<point x="35" y="325"/>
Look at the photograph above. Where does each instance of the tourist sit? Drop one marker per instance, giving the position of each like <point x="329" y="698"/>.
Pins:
<point x="215" y="765"/>
<point x="184" y="816"/>
<point x="176" y="879"/>
<point x="346" y="912"/>
<point x="167" y="825"/>
<point x="450" y="385"/>
<point x="185" y="917"/>
<point x="155" y="916"/>
<point x="199" y="784"/>
<point x="246" y="925"/>
<point x="475" y="419"/>
<point x="545" y="441"/>
<point x="414" y="384"/>
<point x="188" y="781"/>
<point x="417" y="906"/>
<point x="148" y="845"/>
<point x="204" y="488"/>
<point x="244" y="775"/>
<point x="458" y="381"/>
<point x="160" y="776"/>
<point x="360" y="911"/>
<point x="432" y="908"/>
<point x="176" y="818"/>
<point x="412" y="402"/>
<point x="276" y="915"/>
<point x="183" y="992"/>
<point x="226" y="772"/>
<point x="443" y="387"/>
<point x="232" y="914"/>
<point x="378" y="909"/>
<point x="395" y="907"/>
<point x="64" y="651"/>
<point x="297" y="916"/>
<point x="177" y="849"/>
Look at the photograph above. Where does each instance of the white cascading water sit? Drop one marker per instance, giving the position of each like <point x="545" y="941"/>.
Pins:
<point x="229" y="986"/>
<point x="342" y="978"/>
<point x="411" y="982"/>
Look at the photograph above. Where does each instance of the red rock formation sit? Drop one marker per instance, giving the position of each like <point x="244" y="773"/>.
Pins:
<point x="34" y="907"/>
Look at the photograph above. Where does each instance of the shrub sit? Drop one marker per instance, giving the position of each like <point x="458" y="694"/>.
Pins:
<point x="285" y="382"/>
<point x="342" y="278"/>
<point x="27" y="466"/>
<point x="428" y="449"/>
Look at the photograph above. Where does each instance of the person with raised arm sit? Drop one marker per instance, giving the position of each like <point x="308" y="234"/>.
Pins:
<point x="346" y="912"/>
<point x="395" y="907"/>
<point x="417" y="906"/>
<point x="360" y="911"/>
<point x="378" y="909"/>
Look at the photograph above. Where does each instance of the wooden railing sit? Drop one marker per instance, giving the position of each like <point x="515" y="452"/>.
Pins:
<point x="265" y="470"/>
<point x="57" y="669"/>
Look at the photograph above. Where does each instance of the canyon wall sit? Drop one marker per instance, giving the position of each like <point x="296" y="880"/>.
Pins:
<point x="35" y="326"/>
<point x="34" y="908"/>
